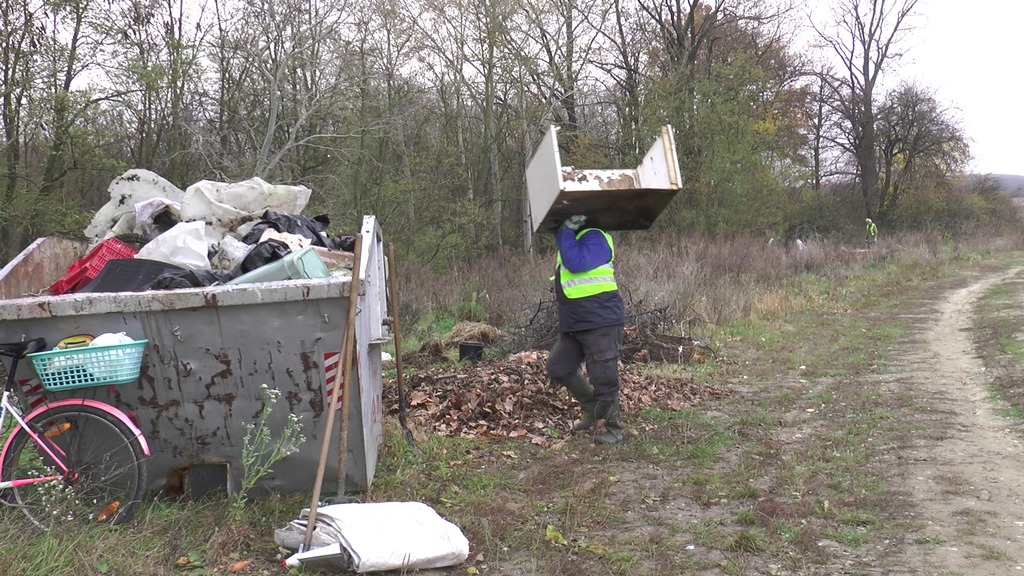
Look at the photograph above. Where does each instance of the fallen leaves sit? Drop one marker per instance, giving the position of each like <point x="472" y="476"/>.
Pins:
<point x="511" y="398"/>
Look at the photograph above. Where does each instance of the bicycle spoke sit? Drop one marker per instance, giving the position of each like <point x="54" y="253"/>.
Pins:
<point x="105" y="475"/>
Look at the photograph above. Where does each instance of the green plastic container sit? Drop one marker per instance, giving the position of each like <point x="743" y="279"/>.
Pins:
<point x="305" y="263"/>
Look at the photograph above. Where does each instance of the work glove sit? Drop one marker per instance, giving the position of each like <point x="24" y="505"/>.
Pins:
<point x="574" y="223"/>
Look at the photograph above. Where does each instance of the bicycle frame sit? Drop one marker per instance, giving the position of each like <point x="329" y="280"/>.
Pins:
<point x="6" y="407"/>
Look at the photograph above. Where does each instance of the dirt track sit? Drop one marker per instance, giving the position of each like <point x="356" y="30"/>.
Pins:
<point x="967" y="479"/>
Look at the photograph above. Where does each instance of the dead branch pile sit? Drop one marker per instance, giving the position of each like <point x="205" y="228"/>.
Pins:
<point x="512" y="397"/>
<point x="640" y="344"/>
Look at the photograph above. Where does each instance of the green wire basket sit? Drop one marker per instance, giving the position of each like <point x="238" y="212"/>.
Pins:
<point x="89" y="365"/>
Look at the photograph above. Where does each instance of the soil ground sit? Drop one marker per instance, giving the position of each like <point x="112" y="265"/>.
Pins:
<point x="965" y="474"/>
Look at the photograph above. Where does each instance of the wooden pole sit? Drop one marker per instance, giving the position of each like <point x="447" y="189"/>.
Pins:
<point x="393" y="293"/>
<point x="347" y="344"/>
<point x="346" y="394"/>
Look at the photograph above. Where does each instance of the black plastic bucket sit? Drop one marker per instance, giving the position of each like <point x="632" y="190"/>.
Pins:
<point x="472" y="351"/>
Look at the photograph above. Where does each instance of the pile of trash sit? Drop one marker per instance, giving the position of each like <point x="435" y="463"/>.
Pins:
<point x="153" y="236"/>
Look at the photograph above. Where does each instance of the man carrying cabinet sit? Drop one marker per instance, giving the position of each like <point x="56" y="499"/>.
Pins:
<point x="591" y="316"/>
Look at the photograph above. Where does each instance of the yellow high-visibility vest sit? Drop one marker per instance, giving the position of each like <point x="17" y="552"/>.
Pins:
<point x="595" y="281"/>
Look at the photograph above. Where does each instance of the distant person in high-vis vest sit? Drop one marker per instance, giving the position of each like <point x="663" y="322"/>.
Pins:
<point x="871" y="230"/>
<point x="591" y="316"/>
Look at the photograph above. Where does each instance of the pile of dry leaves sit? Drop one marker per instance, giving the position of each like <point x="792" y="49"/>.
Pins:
<point x="512" y="397"/>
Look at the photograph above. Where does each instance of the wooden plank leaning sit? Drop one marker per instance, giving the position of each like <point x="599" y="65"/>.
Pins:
<point x="338" y="387"/>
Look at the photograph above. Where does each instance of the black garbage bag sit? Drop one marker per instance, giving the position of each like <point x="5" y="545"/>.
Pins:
<point x="262" y="254"/>
<point x="190" y="279"/>
<point x="129" y="275"/>
<point x="345" y="243"/>
<point x="315" y="229"/>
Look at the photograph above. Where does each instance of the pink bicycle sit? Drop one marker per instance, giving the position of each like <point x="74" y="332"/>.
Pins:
<point x="70" y="460"/>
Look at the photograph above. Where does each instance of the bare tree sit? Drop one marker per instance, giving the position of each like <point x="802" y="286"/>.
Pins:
<point x="690" y="29"/>
<point x="68" y="36"/>
<point x="916" y="138"/>
<point x="18" y="37"/>
<point x="300" y="74"/>
<point x="467" y="51"/>
<point x="491" y="20"/>
<point x="444" y="31"/>
<point x="286" y="79"/>
<point x="46" y="48"/>
<point x="864" y="36"/>
<point x="624" y="57"/>
<point x="828" y="133"/>
<point x="566" y="37"/>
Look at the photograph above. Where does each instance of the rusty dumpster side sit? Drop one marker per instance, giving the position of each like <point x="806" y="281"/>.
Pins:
<point x="210" y="350"/>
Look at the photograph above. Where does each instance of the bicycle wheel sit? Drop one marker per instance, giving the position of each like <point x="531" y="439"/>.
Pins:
<point x="107" y="471"/>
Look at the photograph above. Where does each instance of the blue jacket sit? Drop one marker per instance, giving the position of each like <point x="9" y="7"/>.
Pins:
<point x="579" y="255"/>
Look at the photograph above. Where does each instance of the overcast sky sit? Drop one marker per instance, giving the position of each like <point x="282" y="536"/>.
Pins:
<point x="970" y="54"/>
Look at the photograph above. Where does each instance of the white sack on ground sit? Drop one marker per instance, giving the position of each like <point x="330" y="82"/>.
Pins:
<point x="226" y="206"/>
<point x="377" y="536"/>
<point x="183" y="245"/>
<point x="127" y="190"/>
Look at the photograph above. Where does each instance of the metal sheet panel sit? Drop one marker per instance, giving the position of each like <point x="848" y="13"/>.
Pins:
<point x="46" y="258"/>
<point x="612" y="199"/>
<point x="544" y="178"/>
<point x="371" y="334"/>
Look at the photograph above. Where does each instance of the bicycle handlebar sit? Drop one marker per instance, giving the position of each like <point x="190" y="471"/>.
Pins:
<point x="21" y="349"/>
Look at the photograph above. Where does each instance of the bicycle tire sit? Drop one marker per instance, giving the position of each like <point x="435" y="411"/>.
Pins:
<point x="106" y="459"/>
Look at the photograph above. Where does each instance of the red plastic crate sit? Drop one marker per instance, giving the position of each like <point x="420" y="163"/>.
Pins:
<point x="87" y="267"/>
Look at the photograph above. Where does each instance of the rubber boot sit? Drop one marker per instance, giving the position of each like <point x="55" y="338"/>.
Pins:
<point x="613" y="432"/>
<point x="583" y="392"/>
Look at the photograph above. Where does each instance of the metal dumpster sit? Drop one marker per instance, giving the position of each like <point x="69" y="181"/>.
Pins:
<point x="210" y="349"/>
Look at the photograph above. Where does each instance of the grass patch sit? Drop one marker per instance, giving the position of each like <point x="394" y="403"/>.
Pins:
<point x="166" y="537"/>
<point x="749" y="541"/>
<point x="852" y="537"/>
<point x="998" y="335"/>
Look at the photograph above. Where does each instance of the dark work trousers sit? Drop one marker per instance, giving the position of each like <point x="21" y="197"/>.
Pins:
<point x="599" y="348"/>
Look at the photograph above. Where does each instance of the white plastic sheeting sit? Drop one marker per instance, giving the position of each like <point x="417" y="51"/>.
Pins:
<point x="183" y="245"/>
<point x="376" y="536"/>
<point x="133" y="187"/>
<point x="224" y="206"/>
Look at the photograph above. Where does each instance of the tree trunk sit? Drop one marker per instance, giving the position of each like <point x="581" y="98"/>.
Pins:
<point x="56" y="164"/>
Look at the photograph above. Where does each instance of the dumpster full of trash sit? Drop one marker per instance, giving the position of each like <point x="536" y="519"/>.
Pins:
<point x="214" y="343"/>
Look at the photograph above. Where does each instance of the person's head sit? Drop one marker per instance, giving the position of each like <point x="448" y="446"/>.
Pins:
<point x="867" y="220"/>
